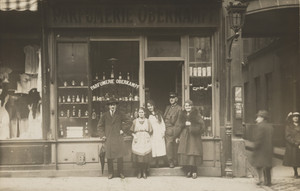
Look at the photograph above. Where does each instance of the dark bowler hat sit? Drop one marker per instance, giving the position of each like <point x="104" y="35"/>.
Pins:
<point x="173" y="94"/>
<point x="112" y="101"/>
<point x="263" y="113"/>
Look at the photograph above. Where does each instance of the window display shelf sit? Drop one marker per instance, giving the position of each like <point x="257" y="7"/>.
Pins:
<point x="73" y="87"/>
<point x="84" y="117"/>
<point x="73" y="103"/>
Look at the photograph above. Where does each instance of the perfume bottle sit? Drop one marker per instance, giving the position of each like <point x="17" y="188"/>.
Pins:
<point x="77" y="98"/>
<point x="69" y="98"/>
<point x="112" y="75"/>
<point x="120" y="76"/>
<point x="61" y="131"/>
<point x="86" y="130"/>
<point x="74" y="111"/>
<point x="82" y="99"/>
<point x="128" y="76"/>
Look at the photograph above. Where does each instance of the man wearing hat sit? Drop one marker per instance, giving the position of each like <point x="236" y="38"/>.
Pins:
<point x="171" y="117"/>
<point x="111" y="130"/>
<point x="263" y="148"/>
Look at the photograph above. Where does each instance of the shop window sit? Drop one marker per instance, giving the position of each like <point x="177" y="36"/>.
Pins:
<point x="115" y="71"/>
<point x="200" y="71"/>
<point x="88" y="77"/>
<point x="73" y="94"/>
<point x="20" y="90"/>
<point x="163" y="46"/>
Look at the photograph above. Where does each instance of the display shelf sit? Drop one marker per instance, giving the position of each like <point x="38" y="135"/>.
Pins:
<point x="84" y="117"/>
<point x="73" y="103"/>
<point x="72" y="87"/>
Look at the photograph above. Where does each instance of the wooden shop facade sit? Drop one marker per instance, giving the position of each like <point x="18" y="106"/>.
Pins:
<point x="61" y="63"/>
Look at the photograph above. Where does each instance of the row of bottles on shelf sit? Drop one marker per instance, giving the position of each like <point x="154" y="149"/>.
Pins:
<point x="73" y="83"/>
<point x="75" y="131"/>
<point x="200" y="71"/>
<point x="73" y="99"/>
<point x="112" y="76"/>
<point x="106" y="97"/>
<point x="74" y="112"/>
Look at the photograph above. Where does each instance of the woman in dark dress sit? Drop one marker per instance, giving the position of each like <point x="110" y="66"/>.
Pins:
<point x="292" y="137"/>
<point x="190" y="127"/>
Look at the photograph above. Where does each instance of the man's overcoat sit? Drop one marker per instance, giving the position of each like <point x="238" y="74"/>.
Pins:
<point x="110" y="126"/>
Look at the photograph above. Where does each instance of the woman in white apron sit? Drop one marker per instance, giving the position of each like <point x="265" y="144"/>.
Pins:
<point x="141" y="144"/>
<point x="158" y="136"/>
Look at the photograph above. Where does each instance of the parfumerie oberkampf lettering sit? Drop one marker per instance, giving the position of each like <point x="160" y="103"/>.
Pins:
<point x="114" y="81"/>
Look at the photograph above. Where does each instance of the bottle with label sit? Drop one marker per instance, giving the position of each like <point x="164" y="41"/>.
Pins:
<point x="63" y="99"/>
<point x="61" y="131"/>
<point x="62" y="113"/>
<point x="73" y="99"/>
<point x="77" y="99"/>
<point x="96" y="76"/>
<point x="74" y="111"/>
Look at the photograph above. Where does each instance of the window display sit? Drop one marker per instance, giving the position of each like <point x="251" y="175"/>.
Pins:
<point x="20" y="90"/>
<point x="73" y="95"/>
<point x="115" y="68"/>
<point x="200" y="71"/>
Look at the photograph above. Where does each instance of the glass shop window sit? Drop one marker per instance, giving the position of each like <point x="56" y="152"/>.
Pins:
<point x="73" y="94"/>
<point x="200" y="72"/>
<point x="20" y="89"/>
<point x="115" y="72"/>
<point x="163" y="46"/>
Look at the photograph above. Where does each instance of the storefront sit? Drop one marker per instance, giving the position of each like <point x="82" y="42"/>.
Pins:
<point x="84" y="54"/>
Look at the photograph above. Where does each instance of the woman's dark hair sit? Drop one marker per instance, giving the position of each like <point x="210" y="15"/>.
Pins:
<point x="157" y="113"/>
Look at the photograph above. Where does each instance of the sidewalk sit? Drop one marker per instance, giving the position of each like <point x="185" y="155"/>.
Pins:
<point x="167" y="183"/>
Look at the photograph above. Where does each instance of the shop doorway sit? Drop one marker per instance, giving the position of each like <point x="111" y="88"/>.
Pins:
<point x="162" y="77"/>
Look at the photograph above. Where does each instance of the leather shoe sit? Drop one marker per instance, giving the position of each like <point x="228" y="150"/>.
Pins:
<point x="121" y="176"/>
<point x="194" y="175"/>
<point x="189" y="174"/>
<point x="171" y="165"/>
<point x="110" y="176"/>
<point x="139" y="175"/>
<point x="144" y="175"/>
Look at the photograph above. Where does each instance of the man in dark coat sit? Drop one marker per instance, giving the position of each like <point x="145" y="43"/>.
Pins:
<point x="263" y="148"/>
<point x="171" y="117"/>
<point x="111" y="128"/>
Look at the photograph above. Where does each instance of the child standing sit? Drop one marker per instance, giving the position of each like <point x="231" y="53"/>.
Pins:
<point x="158" y="136"/>
<point x="141" y="144"/>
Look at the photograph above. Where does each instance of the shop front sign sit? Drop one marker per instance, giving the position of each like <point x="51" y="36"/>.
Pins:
<point x="133" y="16"/>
